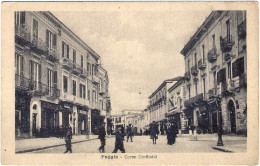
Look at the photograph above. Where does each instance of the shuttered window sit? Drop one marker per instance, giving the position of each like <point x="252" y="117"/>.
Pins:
<point x="238" y="67"/>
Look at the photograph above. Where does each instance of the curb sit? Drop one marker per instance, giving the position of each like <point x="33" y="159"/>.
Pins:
<point x="52" y="146"/>
<point x="222" y="149"/>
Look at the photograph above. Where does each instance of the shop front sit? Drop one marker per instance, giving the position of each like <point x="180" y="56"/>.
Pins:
<point x="82" y="120"/>
<point x="95" y="121"/>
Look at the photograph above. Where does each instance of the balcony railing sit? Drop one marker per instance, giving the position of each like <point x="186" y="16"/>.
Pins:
<point x="53" y="92"/>
<point x="95" y="79"/>
<point x="226" y="43"/>
<point x="84" y="74"/>
<point x="67" y="64"/>
<point x="212" y="55"/>
<point x="102" y="91"/>
<point x="187" y="75"/>
<point x="241" y="29"/>
<point x="194" y="70"/>
<point x="38" y="88"/>
<point x="193" y="101"/>
<point x="22" y="34"/>
<point x="211" y="93"/>
<point x="227" y="56"/>
<point x="52" y="54"/>
<point x="22" y="82"/>
<point x="201" y="64"/>
<point x="38" y="45"/>
<point x="76" y="69"/>
<point x="243" y="80"/>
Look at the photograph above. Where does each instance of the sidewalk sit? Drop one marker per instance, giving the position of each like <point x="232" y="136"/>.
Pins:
<point x="232" y="142"/>
<point x="34" y="144"/>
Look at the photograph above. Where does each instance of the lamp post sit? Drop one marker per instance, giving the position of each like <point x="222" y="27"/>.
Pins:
<point x="220" y="130"/>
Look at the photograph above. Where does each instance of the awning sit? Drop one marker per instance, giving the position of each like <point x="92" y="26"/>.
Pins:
<point x="173" y="113"/>
<point x="188" y="112"/>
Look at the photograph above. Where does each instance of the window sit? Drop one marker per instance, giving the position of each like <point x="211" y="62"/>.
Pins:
<point x="35" y="75"/>
<point x="203" y="54"/>
<point x="65" y="83"/>
<point x="204" y="87"/>
<point x="228" y="31"/>
<point x="195" y="59"/>
<point x="81" y="64"/>
<point x="19" y="18"/>
<point x="74" y="87"/>
<point x="18" y="64"/>
<point x="88" y="94"/>
<point x="82" y="91"/>
<point x="74" y="56"/>
<point x="35" y="30"/>
<point x="50" y="81"/>
<point x="89" y="68"/>
<point x="94" y="96"/>
<point x="68" y="52"/>
<point x="188" y="65"/>
<point x="215" y="83"/>
<point x="50" y="40"/>
<point x="196" y="89"/>
<point x="189" y="91"/>
<point x="65" y="50"/>
<point x="229" y="70"/>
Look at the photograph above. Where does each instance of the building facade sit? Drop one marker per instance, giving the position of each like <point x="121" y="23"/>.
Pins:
<point x="57" y="78"/>
<point x="215" y="65"/>
<point x="175" y="114"/>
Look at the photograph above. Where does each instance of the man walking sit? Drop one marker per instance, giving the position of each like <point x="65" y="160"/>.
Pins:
<point x="154" y="132"/>
<point x="68" y="138"/>
<point x="119" y="144"/>
<point x="102" y="137"/>
<point x="129" y="131"/>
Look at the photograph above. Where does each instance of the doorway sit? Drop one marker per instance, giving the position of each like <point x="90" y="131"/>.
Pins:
<point x="34" y="129"/>
<point x="232" y="115"/>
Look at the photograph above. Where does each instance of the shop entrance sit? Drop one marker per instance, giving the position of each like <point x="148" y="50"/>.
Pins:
<point x="232" y="111"/>
<point x="34" y="129"/>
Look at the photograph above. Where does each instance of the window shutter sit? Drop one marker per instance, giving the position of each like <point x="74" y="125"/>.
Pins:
<point x="31" y="69"/>
<point x="40" y="73"/>
<point x="47" y="38"/>
<point x="54" y="40"/>
<point x="21" y="72"/>
<point x="22" y="18"/>
<point x="238" y="67"/>
<point x="55" y="81"/>
<point x="84" y="92"/>
<point x="63" y="47"/>
<point x="68" y="51"/>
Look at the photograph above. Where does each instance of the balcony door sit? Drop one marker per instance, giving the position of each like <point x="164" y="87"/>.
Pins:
<point x="35" y="75"/>
<point x="50" y="81"/>
<point x="35" y="32"/>
<point x="50" y="40"/>
<point x="19" y="18"/>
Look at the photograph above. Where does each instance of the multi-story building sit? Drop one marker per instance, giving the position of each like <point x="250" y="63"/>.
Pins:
<point x="176" y="105"/>
<point x="215" y="65"/>
<point x="56" y="77"/>
<point x="158" y="103"/>
<point x="117" y="120"/>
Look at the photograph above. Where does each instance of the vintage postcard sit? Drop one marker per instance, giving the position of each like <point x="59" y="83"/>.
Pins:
<point x="127" y="83"/>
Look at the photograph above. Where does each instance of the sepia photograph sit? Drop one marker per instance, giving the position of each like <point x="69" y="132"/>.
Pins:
<point x="108" y="82"/>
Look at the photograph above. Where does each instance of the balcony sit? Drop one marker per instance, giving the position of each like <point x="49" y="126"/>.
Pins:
<point x="243" y="80"/>
<point x="38" y="88"/>
<point x="21" y="82"/>
<point x="194" y="70"/>
<point x="241" y="29"/>
<point x="38" y="45"/>
<point x="67" y="64"/>
<point x="211" y="93"/>
<point x="84" y="73"/>
<point x="212" y="55"/>
<point x="201" y="64"/>
<point x="22" y="35"/>
<point x="187" y="75"/>
<point x="95" y="79"/>
<point x="53" y="92"/>
<point x="226" y="43"/>
<point x="102" y="91"/>
<point x="227" y="56"/>
<point x="76" y="69"/>
<point x="194" y="101"/>
<point x="52" y="54"/>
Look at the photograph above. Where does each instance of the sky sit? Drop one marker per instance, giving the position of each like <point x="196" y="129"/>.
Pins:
<point x="139" y="49"/>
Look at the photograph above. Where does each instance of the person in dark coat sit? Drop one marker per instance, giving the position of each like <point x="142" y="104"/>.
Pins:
<point x="119" y="144"/>
<point x="172" y="134"/>
<point x="102" y="137"/>
<point x="154" y="132"/>
<point x="68" y="138"/>
<point x="129" y="131"/>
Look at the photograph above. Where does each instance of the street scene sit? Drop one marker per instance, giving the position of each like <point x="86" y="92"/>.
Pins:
<point x="93" y="82"/>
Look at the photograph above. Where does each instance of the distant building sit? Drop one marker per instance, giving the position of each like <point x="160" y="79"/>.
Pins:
<point x="216" y="67"/>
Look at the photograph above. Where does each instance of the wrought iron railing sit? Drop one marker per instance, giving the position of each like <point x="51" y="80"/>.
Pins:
<point x="212" y="55"/>
<point x="22" y="82"/>
<point x="38" y="43"/>
<point x="226" y="43"/>
<point x="241" y="29"/>
<point x="23" y="32"/>
<point x="201" y="64"/>
<point x="194" y="70"/>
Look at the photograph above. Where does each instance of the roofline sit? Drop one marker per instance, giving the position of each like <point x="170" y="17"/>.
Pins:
<point x="201" y="30"/>
<point x="175" y="85"/>
<point x="160" y="87"/>
<point x="74" y="35"/>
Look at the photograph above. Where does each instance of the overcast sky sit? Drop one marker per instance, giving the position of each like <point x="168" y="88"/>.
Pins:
<point x="138" y="49"/>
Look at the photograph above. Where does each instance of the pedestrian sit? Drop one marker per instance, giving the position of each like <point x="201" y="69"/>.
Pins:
<point x="154" y="132"/>
<point x="68" y="138"/>
<point x="141" y="132"/>
<point x="168" y="133"/>
<point x="129" y="131"/>
<point x="119" y="144"/>
<point x="102" y="137"/>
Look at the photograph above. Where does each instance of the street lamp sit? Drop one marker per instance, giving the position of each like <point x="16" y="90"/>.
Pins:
<point x="220" y="130"/>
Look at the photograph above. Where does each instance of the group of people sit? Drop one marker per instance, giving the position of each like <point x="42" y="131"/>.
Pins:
<point x="171" y="132"/>
<point x="120" y="136"/>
